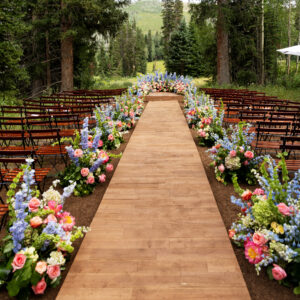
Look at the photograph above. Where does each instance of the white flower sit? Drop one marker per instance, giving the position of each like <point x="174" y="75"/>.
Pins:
<point x="232" y="163"/>
<point x="30" y="253"/>
<point x="55" y="182"/>
<point x="51" y="195"/>
<point x="56" y="258"/>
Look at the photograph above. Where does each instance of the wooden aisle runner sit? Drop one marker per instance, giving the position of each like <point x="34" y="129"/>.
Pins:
<point x="158" y="233"/>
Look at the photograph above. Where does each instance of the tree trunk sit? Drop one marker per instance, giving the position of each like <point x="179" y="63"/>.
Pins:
<point x="297" y="63"/>
<point x="262" y="46"/>
<point x="289" y="38"/>
<point x="48" y="67"/>
<point x="47" y="46"/>
<point x="66" y="54"/>
<point x="223" y="76"/>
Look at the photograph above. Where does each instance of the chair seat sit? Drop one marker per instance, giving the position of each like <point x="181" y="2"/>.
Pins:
<point x="51" y="150"/>
<point x="291" y="164"/>
<point x="40" y="174"/>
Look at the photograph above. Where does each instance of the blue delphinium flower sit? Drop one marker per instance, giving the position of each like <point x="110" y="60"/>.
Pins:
<point x="84" y="138"/>
<point x="70" y="152"/>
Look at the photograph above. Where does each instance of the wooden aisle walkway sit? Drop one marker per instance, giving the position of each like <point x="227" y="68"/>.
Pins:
<point x="158" y="233"/>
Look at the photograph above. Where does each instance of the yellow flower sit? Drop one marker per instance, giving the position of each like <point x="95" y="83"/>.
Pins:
<point x="277" y="228"/>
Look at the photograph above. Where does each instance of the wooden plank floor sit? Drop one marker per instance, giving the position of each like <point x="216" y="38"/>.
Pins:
<point x="158" y="233"/>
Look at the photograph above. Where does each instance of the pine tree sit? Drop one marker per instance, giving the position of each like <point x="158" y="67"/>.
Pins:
<point x="168" y="22"/>
<point x="194" y="55"/>
<point x="12" y="28"/>
<point x="178" y="12"/>
<point x="149" y="46"/>
<point x="177" y="59"/>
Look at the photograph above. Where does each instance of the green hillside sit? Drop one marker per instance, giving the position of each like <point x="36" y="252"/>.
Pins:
<point x="147" y="14"/>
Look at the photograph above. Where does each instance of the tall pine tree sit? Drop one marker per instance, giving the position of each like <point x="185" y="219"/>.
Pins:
<point x="177" y="58"/>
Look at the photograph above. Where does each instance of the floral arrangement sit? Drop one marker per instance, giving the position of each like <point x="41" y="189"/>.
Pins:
<point x="269" y="224"/>
<point x="89" y="163"/>
<point x="127" y="111"/>
<point x="39" y="239"/>
<point x="162" y="83"/>
<point x="111" y="136"/>
<point x="233" y="155"/>
<point x="203" y="116"/>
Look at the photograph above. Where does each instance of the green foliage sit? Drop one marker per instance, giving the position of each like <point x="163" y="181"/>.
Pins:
<point x="12" y="28"/>
<point x="178" y="52"/>
<point x="125" y="54"/>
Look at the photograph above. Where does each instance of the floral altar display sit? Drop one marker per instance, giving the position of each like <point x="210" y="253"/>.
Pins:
<point x="162" y="83"/>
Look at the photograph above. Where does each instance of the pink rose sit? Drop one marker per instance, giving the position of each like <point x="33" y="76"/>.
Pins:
<point x="90" y="180"/>
<point x="232" y="153"/>
<point x="50" y="218"/>
<point x="34" y="204"/>
<point x="104" y="156"/>
<point x="40" y="287"/>
<point x="90" y="144"/>
<point x="36" y="222"/>
<point x="78" y="153"/>
<point x="100" y="144"/>
<point x="249" y="154"/>
<point x="119" y="124"/>
<point x="246" y="196"/>
<point x="102" y="178"/>
<point x="246" y="163"/>
<point x="202" y="133"/>
<point x="242" y="149"/>
<point x="41" y="267"/>
<point x="85" y="172"/>
<point x="131" y="114"/>
<point x="284" y="209"/>
<point x="110" y="137"/>
<point x="53" y="271"/>
<point x="278" y="273"/>
<point x="19" y="261"/>
<point x="258" y="192"/>
<point x="259" y="239"/>
<point x="221" y="168"/>
<point x="109" y="167"/>
<point x="231" y="233"/>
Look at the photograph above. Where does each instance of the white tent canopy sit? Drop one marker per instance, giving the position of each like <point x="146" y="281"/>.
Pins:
<point x="295" y="50"/>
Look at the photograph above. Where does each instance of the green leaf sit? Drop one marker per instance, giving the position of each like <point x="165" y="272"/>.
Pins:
<point x="55" y="283"/>
<point x="297" y="290"/>
<point x="25" y="274"/>
<point x="35" y="278"/>
<point x="13" y="288"/>
<point x="23" y="294"/>
<point x="8" y="247"/>
<point x="269" y="272"/>
<point x="4" y="272"/>
<point x="2" y="283"/>
<point x="8" y="237"/>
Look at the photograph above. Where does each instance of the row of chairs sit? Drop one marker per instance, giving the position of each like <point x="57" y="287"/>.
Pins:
<point x="31" y="129"/>
<point x="276" y="122"/>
